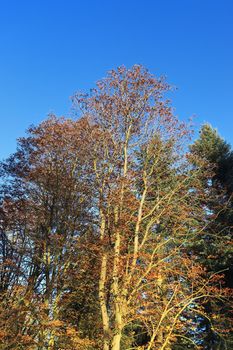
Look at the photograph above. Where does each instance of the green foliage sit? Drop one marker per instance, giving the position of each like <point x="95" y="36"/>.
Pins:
<point x="214" y="246"/>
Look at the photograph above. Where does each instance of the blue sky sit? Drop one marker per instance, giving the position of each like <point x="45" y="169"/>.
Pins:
<point x="49" y="49"/>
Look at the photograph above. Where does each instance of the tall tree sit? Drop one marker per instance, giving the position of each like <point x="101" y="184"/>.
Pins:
<point x="214" y="247"/>
<point x="146" y="209"/>
<point x="46" y="201"/>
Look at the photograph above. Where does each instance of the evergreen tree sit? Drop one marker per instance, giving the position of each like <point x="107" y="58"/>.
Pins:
<point x="214" y="246"/>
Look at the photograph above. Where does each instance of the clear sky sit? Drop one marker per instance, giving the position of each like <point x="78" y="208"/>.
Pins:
<point x="51" y="48"/>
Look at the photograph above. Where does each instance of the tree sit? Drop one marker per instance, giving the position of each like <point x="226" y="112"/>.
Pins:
<point x="217" y="239"/>
<point x="45" y="208"/>
<point x="146" y="209"/>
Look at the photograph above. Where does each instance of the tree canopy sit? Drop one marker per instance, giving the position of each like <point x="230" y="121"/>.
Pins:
<point x="114" y="234"/>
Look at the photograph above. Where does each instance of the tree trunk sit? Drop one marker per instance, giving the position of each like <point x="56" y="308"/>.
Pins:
<point x="116" y="342"/>
<point x="102" y="293"/>
<point x="103" y="306"/>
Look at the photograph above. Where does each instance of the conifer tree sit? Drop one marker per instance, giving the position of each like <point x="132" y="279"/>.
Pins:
<point x="214" y="246"/>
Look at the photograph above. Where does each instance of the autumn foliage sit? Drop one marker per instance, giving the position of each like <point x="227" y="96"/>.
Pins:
<point x="100" y="215"/>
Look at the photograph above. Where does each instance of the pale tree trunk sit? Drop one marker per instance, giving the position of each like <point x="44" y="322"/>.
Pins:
<point x="118" y="302"/>
<point x="102" y="293"/>
<point x="103" y="306"/>
<point x="116" y="343"/>
<point x="116" y="290"/>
